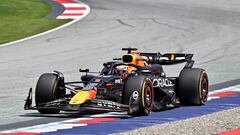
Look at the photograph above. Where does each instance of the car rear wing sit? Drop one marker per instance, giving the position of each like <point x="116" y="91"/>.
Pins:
<point x="169" y="58"/>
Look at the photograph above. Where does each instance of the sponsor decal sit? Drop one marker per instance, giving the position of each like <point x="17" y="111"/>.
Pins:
<point x="162" y="82"/>
<point x="135" y="95"/>
<point x="90" y="86"/>
<point x="118" y="81"/>
<point x="108" y="104"/>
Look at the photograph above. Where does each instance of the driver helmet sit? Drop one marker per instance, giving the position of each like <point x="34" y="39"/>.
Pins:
<point x="120" y="70"/>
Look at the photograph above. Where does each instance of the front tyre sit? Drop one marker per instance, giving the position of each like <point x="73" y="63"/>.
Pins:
<point x="193" y="86"/>
<point x="138" y="88"/>
<point x="47" y="90"/>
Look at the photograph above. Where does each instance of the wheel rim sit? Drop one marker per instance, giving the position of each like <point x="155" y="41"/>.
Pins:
<point x="148" y="97"/>
<point x="204" y="89"/>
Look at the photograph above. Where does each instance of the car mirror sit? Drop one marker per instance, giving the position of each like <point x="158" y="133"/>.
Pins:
<point x="84" y="70"/>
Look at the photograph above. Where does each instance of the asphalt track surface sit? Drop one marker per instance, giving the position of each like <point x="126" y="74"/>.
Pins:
<point x="208" y="28"/>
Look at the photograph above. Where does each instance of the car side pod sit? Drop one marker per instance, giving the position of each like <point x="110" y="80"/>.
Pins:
<point x="28" y="100"/>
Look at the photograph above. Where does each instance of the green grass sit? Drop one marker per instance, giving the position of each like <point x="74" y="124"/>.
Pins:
<point x="24" y="18"/>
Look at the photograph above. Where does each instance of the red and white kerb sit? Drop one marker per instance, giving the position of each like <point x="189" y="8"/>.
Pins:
<point x="224" y="92"/>
<point x="73" y="9"/>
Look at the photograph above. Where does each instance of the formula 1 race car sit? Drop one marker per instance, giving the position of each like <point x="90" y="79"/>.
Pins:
<point x="135" y="83"/>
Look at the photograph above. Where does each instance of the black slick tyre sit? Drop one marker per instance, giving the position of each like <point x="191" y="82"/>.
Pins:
<point x="192" y="87"/>
<point x="47" y="90"/>
<point x="143" y="92"/>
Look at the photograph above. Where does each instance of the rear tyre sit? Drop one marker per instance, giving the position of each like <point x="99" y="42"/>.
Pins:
<point x="193" y="86"/>
<point x="47" y="90"/>
<point x="141" y="88"/>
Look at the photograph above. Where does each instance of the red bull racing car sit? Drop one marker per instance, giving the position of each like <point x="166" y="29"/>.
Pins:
<point x="135" y="83"/>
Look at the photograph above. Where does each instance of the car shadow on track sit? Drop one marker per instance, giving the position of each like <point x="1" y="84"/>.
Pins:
<point x="81" y="114"/>
<point x="62" y="114"/>
<point x="89" y="113"/>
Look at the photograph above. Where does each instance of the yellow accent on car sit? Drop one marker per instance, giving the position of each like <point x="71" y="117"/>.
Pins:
<point x="143" y="93"/>
<point x="200" y="88"/>
<point x="80" y="97"/>
<point x="172" y="57"/>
